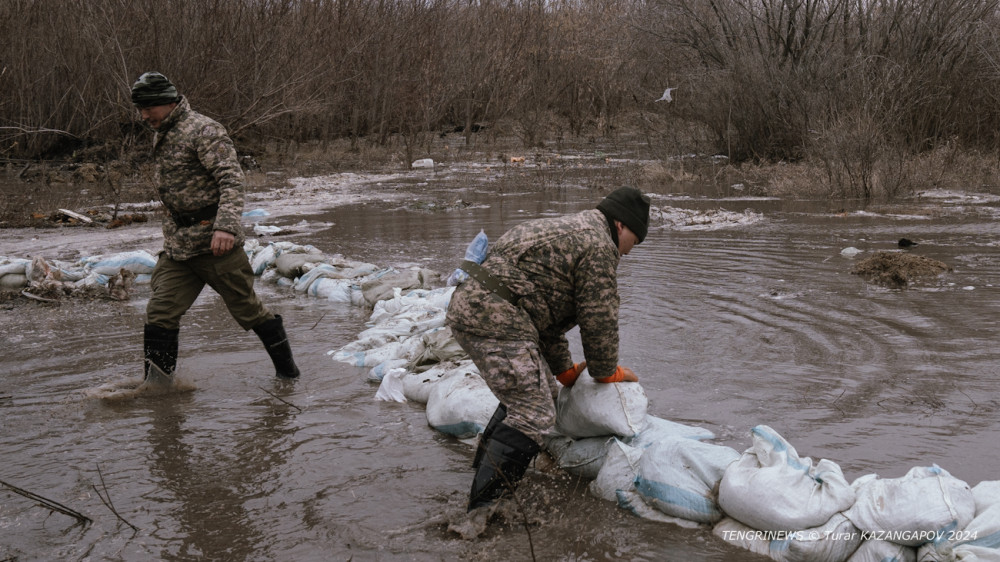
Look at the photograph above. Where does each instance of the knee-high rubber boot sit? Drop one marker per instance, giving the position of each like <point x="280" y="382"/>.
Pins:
<point x="498" y="416"/>
<point x="506" y="459"/>
<point x="275" y="340"/>
<point x="160" y="353"/>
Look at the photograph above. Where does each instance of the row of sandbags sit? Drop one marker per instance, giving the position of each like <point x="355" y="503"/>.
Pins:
<point x="68" y="277"/>
<point x="767" y="499"/>
<point x="308" y="270"/>
<point x="300" y="267"/>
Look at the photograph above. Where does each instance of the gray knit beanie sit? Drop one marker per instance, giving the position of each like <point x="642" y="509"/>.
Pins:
<point x="153" y="88"/>
<point x="631" y="207"/>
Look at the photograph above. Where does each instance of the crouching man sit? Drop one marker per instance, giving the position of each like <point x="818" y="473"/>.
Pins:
<point x="541" y="279"/>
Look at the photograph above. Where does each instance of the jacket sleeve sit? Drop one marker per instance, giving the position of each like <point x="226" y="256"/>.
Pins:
<point x="596" y="294"/>
<point x="218" y="154"/>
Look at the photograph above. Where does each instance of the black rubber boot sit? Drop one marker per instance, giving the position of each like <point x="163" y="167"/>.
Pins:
<point x="272" y="334"/>
<point x="498" y="416"/>
<point x="505" y="460"/>
<point x="160" y="352"/>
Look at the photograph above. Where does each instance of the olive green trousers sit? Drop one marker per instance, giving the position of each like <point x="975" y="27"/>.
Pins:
<point x="177" y="283"/>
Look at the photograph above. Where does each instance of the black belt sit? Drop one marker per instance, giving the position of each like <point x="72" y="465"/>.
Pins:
<point x="489" y="282"/>
<point x="192" y="218"/>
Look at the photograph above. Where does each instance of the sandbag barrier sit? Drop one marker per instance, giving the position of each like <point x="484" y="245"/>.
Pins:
<point x="768" y="499"/>
<point x="302" y="268"/>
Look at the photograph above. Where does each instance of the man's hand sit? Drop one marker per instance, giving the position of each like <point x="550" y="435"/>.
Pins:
<point x="621" y="374"/>
<point x="569" y="376"/>
<point x="222" y="242"/>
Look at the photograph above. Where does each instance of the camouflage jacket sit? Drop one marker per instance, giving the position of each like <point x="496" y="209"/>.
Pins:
<point x="564" y="269"/>
<point x="196" y="167"/>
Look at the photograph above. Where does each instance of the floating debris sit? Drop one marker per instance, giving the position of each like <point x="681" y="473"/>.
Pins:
<point x="898" y="269"/>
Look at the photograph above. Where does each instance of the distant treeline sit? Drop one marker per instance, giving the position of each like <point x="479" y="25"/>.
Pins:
<point x="838" y="80"/>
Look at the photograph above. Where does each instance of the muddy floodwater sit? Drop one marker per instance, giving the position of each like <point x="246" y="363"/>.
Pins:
<point x="731" y="319"/>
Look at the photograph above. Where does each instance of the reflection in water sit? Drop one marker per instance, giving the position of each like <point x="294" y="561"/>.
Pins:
<point x="215" y="475"/>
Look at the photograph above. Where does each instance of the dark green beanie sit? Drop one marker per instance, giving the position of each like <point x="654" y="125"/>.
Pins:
<point x="631" y="207"/>
<point x="153" y="88"/>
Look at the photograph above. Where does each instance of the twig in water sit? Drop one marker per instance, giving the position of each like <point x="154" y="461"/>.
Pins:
<point x="106" y="500"/>
<point x="275" y="396"/>
<point x="318" y="321"/>
<point x="53" y="505"/>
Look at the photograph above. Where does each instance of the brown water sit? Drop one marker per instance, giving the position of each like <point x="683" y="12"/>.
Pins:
<point x="727" y="328"/>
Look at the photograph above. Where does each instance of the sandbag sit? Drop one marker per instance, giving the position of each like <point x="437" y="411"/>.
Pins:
<point x="618" y="470"/>
<point x="591" y="409"/>
<point x="417" y="387"/>
<point x="679" y="476"/>
<point x="290" y="264"/>
<point x="980" y="539"/>
<point x="579" y="457"/>
<point x="391" y="387"/>
<point x="913" y="509"/>
<point x="772" y="489"/>
<point x="461" y="405"/>
<point x="439" y="345"/>
<point x="833" y="541"/>
<point x="139" y="261"/>
<point x="381" y="287"/>
<point x="656" y="429"/>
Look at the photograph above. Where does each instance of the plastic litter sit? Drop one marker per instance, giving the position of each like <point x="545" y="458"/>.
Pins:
<point x="475" y="252"/>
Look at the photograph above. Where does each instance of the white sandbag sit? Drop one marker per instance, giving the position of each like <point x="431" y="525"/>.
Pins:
<point x="12" y="281"/>
<point x="579" y="457"/>
<point x="139" y="261"/>
<point x="420" y="299"/>
<point x="834" y="541"/>
<point x="679" y="476"/>
<point x="980" y="539"/>
<point x="378" y="372"/>
<point x="417" y="387"/>
<point x="405" y="349"/>
<point x="391" y="388"/>
<point x="409" y="322"/>
<point x="772" y="489"/>
<point x="618" y="471"/>
<point x="335" y="290"/>
<point x="461" y="405"/>
<point x="657" y="429"/>
<point x="13" y="273"/>
<point x="912" y="510"/>
<point x="591" y="409"/>
<point x="262" y="259"/>
<point x="873" y="550"/>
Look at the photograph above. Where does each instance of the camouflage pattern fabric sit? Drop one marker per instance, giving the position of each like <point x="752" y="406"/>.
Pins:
<point x="564" y="269"/>
<point x="519" y="378"/>
<point x="197" y="166"/>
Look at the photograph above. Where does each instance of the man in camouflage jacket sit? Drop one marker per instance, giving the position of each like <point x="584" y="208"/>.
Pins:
<point x="201" y="185"/>
<point x="539" y="280"/>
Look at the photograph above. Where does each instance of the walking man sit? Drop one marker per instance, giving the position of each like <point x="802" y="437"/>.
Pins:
<point x="201" y="185"/>
<point x="540" y="279"/>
